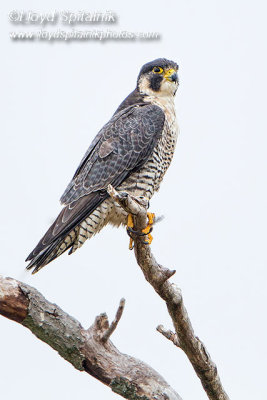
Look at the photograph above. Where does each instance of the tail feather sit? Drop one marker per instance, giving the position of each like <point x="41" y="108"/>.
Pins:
<point x="62" y="234"/>
<point x="51" y="252"/>
<point x="73" y="235"/>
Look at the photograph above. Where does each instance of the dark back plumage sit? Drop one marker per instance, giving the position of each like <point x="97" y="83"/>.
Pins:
<point x="122" y="146"/>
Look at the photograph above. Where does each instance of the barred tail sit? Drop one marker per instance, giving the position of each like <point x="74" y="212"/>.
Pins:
<point x="74" y="239"/>
<point x="52" y="251"/>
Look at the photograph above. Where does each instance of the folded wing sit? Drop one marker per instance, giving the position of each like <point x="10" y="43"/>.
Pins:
<point x="122" y="146"/>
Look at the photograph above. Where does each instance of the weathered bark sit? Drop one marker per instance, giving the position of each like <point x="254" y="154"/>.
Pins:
<point x="91" y="350"/>
<point x="87" y="350"/>
<point x="158" y="277"/>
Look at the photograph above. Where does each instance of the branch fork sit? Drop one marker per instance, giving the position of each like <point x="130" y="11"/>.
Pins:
<point x="92" y="351"/>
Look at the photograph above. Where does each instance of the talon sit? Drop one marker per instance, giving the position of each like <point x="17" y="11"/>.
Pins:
<point x="150" y="238"/>
<point x="151" y="218"/>
<point x="131" y="244"/>
<point x="149" y="241"/>
<point x="149" y="228"/>
<point x="130" y="230"/>
<point x="145" y="232"/>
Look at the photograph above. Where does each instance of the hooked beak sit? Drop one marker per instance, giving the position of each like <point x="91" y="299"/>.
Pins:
<point x="171" y="75"/>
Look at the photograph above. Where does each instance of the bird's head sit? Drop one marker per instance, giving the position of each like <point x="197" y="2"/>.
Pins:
<point x="158" y="78"/>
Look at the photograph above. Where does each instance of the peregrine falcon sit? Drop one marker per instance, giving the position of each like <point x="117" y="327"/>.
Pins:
<point x="131" y="152"/>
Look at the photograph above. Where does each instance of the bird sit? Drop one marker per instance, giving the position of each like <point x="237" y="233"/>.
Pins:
<point x="132" y="152"/>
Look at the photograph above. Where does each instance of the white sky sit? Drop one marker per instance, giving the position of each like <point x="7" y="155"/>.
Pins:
<point x="55" y="98"/>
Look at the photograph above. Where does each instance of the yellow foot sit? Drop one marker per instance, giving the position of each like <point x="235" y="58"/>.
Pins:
<point x="130" y="225"/>
<point x="146" y="231"/>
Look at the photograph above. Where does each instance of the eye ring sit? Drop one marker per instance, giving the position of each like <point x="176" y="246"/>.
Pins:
<point x="157" y="70"/>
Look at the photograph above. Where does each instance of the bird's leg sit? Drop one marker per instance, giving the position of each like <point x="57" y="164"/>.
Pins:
<point x="145" y="232"/>
<point x="130" y="225"/>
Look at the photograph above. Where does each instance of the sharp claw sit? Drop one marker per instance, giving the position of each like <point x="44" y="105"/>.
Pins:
<point x="144" y="242"/>
<point x="129" y="233"/>
<point x="137" y="233"/>
<point x="149" y="241"/>
<point x="131" y="244"/>
<point x="150" y="238"/>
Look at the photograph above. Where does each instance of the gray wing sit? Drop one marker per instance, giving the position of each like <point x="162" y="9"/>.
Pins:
<point x="122" y="146"/>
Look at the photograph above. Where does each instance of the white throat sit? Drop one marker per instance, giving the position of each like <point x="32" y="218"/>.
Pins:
<point x="167" y="89"/>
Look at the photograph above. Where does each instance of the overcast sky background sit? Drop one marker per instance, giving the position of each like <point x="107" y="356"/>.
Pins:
<point x="54" y="99"/>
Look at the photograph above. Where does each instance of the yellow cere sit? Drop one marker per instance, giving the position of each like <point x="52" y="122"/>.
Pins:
<point x="169" y="72"/>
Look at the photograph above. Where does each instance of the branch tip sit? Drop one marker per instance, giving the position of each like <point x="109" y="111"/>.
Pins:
<point x="106" y="335"/>
<point x="169" y="335"/>
<point x="168" y="274"/>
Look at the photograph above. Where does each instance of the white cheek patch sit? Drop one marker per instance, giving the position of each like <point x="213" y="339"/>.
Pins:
<point x="167" y="88"/>
<point x="144" y="86"/>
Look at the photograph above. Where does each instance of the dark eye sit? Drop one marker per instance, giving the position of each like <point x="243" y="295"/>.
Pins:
<point x="158" y="70"/>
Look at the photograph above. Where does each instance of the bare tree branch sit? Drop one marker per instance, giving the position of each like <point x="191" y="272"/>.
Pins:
<point x="91" y="350"/>
<point x="87" y="350"/>
<point x="169" y="335"/>
<point x="158" y="277"/>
